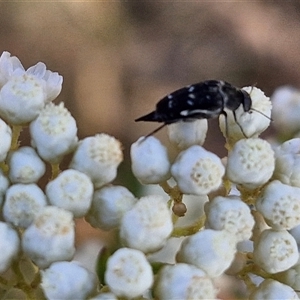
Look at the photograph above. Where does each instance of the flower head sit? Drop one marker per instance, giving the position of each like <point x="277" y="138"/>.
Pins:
<point x="183" y="281"/>
<point x="67" y="280"/>
<point x="128" y="273"/>
<point x="11" y="66"/>
<point x="22" y="203"/>
<point x="109" y="204"/>
<point x="197" y="171"/>
<point x="54" y="132"/>
<point x="71" y="190"/>
<point x="231" y="214"/>
<point x="51" y="237"/>
<point x="280" y="205"/>
<point x="275" y="251"/>
<point x="287" y="162"/>
<point x="250" y="163"/>
<point x="149" y="217"/>
<point x="98" y="157"/>
<point x="149" y="160"/>
<point x="210" y="250"/>
<point x="25" y="166"/>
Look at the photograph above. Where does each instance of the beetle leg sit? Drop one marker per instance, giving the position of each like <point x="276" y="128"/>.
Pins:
<point x="235" y="119"/>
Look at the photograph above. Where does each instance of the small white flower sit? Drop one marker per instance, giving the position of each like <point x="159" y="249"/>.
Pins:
<point x="4" y="184"/>
<point x="149" y="160"/>
<point x="71" y="190"/>
<point x="280" y="205"/>
<point x="5" y="138"/>
<point x="147" y="225"/>
<point x="51" y="237"/>
<point x="11" y="66"/>
<point x="273" y="290"/>
<point x="52" y="80"/>
<point x="253" y="122"/>
<point x="25" y="166"/>
<point x="197" y="171"/>
<point x="287" y="162"/>
<point x="275" y="251"/>
<point x="210" y="250"/>
<point x="68" y="281"/>
<point x="8" y="66"/>
<point x="231" y="214"/>
<point x="183" y="281"/>
<point x="186" y="134"/>
<point x="250" y="163"/>
<point x="21" y="99"/>
<point x="128" y="273"/>
<point x="22" y="203"/>
<point x="9" y="246"/>
<point x="109" y="205"/>
<point x="286" y="110"/>
<point x="54" y="133"/>
<point x="99" y="157"/>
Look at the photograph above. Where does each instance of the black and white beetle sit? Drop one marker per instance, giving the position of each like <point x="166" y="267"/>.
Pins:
<point x="203" y="100"/>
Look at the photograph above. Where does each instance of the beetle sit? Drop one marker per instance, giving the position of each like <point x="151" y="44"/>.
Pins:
<point x="204" y="100"/>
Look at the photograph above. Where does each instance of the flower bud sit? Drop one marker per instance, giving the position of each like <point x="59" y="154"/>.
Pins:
<point x="186" y="134"/>
<point x="210" y="250"/>
<point x="71" y="190"/>
<point x="150" y="162"/>
<point x="67" y="280"/>
<point x="128" y="273"/>
<point x="149" y="217"/>
<point x="109" y="204"/>
<point x="25" y="166"/>
<point x="22" y="204"/>
<point x="51" y="237"/>
<point x="183" y="281"/>
<point x="98" y="157"/>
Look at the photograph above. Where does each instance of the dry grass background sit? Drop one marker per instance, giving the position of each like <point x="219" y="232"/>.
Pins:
<point x="118" y="58"/>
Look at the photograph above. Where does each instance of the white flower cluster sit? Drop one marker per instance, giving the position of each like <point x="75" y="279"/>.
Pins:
<point x="261" y="201"/>
<point x="38" y="223"/>
<point x="250" y="226"/>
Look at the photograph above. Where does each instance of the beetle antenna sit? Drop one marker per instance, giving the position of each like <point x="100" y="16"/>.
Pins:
<point x="236" y="121"/>
<point x="154" y="131"/>
<point x="256" y="109"/>
<point x="261" y="113"/>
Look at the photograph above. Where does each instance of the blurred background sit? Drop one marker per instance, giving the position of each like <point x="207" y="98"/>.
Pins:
<point x="119" y="58"/>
